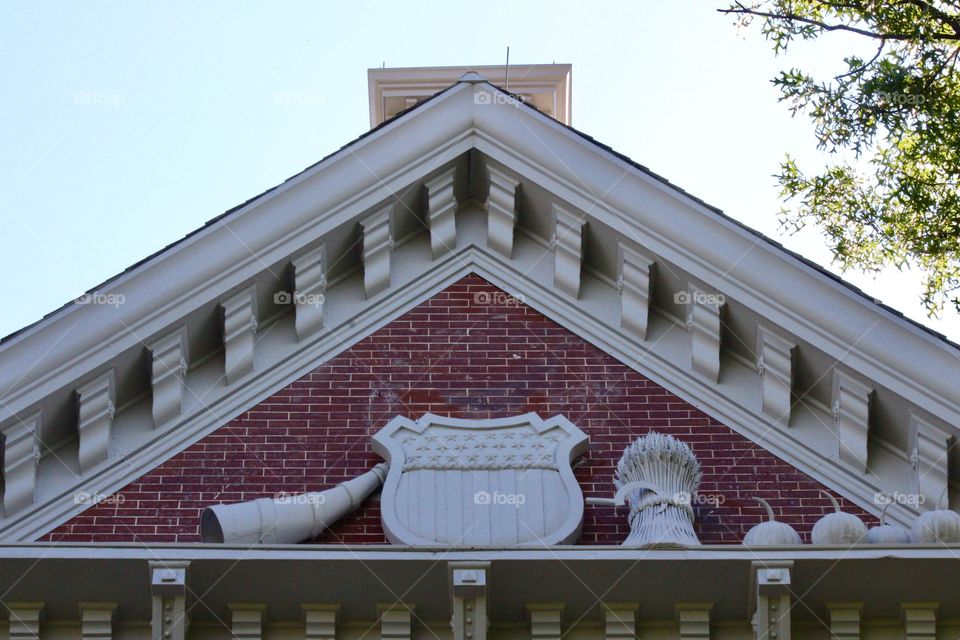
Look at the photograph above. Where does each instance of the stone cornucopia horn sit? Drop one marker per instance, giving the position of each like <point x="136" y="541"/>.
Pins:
<point x="289" y="519"/>
<point x="659" y="476"/>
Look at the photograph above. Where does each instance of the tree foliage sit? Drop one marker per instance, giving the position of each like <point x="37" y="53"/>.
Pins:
<point x="895" y="117"/>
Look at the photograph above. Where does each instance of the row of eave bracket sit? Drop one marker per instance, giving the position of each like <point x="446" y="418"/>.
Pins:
<point x="658" y="476"/>
<point x="169" y="358"/>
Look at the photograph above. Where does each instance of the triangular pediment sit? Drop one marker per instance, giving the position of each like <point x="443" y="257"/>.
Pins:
<point x="470" y="357"/>
<point x="472" y="181"/>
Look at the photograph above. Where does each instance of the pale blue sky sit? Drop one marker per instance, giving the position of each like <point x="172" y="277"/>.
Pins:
<point x="125" y="125"/>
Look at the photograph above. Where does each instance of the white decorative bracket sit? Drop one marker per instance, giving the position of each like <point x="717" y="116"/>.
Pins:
<point x="567" y="249"/>
<point x="775" y="367"/>
<point x="24" y="620"/>
<point x="635" y="287"/>
<point x="845" y="620"/>
<point x="377" y="248"/>
<point x="168" y="591"/>
<point x="441" y="213"/>
<point x="546" y="620"/>
<point x="96" y="405"/>
<point x="320" y="621"/>
<point x="396" y="621"/>
<point x="920" y="620"/>
<point x="239" y="333"/>
<point x="469" y="591"/>
<point x="168" y="367"/>
<point x="620" y="620"/>
<point x="246" y="620"/>
<point x="96" y="620"/>
<point x="309" y="291"/>
<point x="771" y="620"/>
<point x="21" y="454"/>
<point x="930" y="456"/>
<point x="851" y="416"/>
<point x="693" y="620"/>
<point x="703" y="321"/>
<point x="501" y="211"/>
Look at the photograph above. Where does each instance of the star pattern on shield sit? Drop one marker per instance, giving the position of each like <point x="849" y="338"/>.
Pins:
<point x="508" y="448"/>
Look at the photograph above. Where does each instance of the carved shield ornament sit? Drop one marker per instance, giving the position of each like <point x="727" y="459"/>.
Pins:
<point x="475" y="483"/>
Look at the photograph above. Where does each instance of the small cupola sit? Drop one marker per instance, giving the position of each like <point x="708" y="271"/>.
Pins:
<point x="545" y="86"/>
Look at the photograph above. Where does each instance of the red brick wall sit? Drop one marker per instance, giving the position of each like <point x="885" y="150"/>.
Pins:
<point x="469" y="352"/>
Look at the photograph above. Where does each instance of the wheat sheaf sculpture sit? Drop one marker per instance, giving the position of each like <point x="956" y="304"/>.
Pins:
<point x="659" y="475"/>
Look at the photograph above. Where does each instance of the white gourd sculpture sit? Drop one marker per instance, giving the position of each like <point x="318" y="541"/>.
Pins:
<point x="838" y="527"/>
<point x="771" y="532"/>
<point x="939" y="525"/>
<point x="887" y="533"/>
<point x="658" y="475"/>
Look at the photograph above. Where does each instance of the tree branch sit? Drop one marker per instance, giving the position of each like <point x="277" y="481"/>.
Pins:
<point x="863" y="67"/>
<point x="792" y="17"/>
<point x="944" y="17"/>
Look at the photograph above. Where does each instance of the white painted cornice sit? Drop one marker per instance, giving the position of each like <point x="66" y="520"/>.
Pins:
<point x="882" y="346"/>
<point x="226" y="256"/>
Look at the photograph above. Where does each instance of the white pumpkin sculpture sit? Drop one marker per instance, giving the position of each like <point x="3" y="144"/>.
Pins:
<point x="838" y="527"/>
<point x="887" y="533"/>
<point x="771" y="532"/>
<point x="939" y="525"/>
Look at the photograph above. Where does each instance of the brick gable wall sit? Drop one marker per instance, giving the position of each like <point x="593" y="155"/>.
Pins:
<point x="469" y="352"/>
